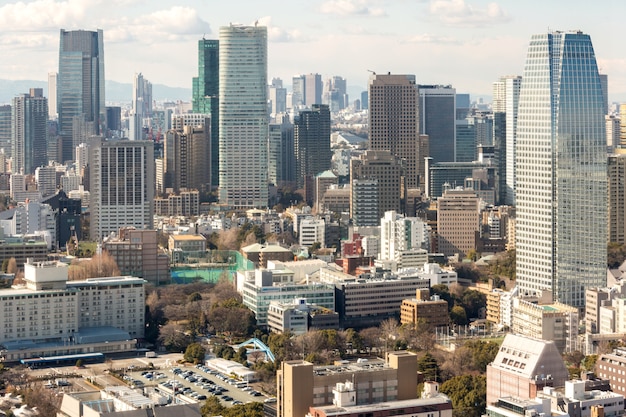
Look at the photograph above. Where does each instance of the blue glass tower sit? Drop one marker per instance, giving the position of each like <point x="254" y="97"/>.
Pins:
<point x="561" y="170"/>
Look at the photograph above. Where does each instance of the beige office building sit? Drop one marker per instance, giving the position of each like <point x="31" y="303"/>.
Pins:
<point x="458" y="221"/>
<point x="394" y="122"/>
<point x="301" y="385"/>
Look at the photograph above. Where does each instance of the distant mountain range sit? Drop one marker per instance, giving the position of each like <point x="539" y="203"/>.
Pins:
<point x="114" y="91"/>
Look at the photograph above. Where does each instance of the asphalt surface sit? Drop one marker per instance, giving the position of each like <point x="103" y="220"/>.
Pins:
<point x="93" y="376"/>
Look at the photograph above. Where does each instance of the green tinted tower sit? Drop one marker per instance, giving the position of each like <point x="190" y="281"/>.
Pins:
<point x="206" y="95"/>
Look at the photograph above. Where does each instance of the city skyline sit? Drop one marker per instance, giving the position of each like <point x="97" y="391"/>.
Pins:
<point x="437" y="40"/>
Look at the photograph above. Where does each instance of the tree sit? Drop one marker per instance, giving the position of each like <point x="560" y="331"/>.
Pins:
<point x="174" y="338"/>
<point x="12" y="266"/>
<point x="102" y="265"/>
<point x="194" y="353"/>
<point x="616" y="254"/>
<point x="458" y="316"/>
<point x="429" y="367"/>
<point x="473" y="301"/>
<point x="241" y="355"/>
<point x="589" y="362"/>
<point x="212" y="407"/>
<point x="195" y="296"/>
<point x="468" y="394"/>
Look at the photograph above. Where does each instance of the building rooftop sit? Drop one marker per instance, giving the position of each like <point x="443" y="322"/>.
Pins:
<point x="332" y="410"/>
<point x="188" y="237"/>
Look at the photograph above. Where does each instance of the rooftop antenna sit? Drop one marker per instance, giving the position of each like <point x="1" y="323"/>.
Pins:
<point x="373" y="72"/>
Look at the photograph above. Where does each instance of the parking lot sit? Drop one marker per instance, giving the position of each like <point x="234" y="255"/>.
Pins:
<point x="196" y="384"/>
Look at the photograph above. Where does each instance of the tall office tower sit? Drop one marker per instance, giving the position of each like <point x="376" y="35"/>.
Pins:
<point x="52" y="95"/>
<point x="312" y="142"/>
<point x="437" y="113"/>
<point x="394" y="121"/>
<point x="463" y="106"/>
<point x="297" y="95"/>
<point x="29" y="131"/>
<point x="5" y="129"/>
<point x="604" y="83"/>
<point x="335" y="93"/>
<point x="81" y="158"/>
<point x="561" y="170"/>
<point x="281" y="163"/>
<point x="243" y="121"/>
<point x="617" y="196"/>
<point x="80" y="85"/>
<point x="188" y="158"/>
<point x="613" y="127"/>
<point x="121" y="182"/>
<point x="46" y="179"/>
<point x="313" y="87"/>
<point x="205" y="100"/>
<point x="622" y="129"/>
<point x="465" y="140"/>
<point x="141" y="107"/>
<point x="278" y="96"/>
<point x="114" y="119"/>
<point x="387" y="169"/>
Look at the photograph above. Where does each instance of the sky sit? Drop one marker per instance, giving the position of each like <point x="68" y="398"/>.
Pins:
<point x="465" y="43"/>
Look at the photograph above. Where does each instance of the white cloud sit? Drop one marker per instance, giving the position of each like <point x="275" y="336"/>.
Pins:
<point x="430" y="38"/>
<point x="41" y="15"/>
<point x="277" y="34"/>
<point x="460" y="13"/>
<point x="350" y="8"/>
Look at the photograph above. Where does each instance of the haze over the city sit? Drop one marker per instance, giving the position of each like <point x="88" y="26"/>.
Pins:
<point x="466" y="43"/>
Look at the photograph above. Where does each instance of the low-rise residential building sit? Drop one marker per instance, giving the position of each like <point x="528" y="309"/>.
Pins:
<point x="186" y="203"/>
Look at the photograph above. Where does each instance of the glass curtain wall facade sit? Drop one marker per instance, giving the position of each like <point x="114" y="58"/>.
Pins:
<point x="205" y="95"/>
<point x="243" y="119"/>
<point x="80" y="85"/>
<point x="561" y="170"/>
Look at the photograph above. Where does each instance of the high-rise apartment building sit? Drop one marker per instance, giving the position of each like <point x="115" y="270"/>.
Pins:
<point x="121" y="184"/>
<point x="511" y="89"/>
<point x="142" y="107"/>
<point x="394" y="122"/>
<point x="437" y="113"/>
<point x="312" y="142"/>
<point x="613" y="127"/>
<point x="187" y="157"/>
<point x="617" y="196"/>
<point x="243" y="121"/>
<point x="561" y="170"/>
<point x="205" y="96"/>
<point x="80" y="85"/>
<point x="29" y="119"/>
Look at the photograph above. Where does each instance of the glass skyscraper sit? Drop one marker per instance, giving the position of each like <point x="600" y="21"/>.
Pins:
<point x="205" y="92"/>
<point x="80" y="86"/>
<point x="561" y="170"/>
<point x="243" y="118"/>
